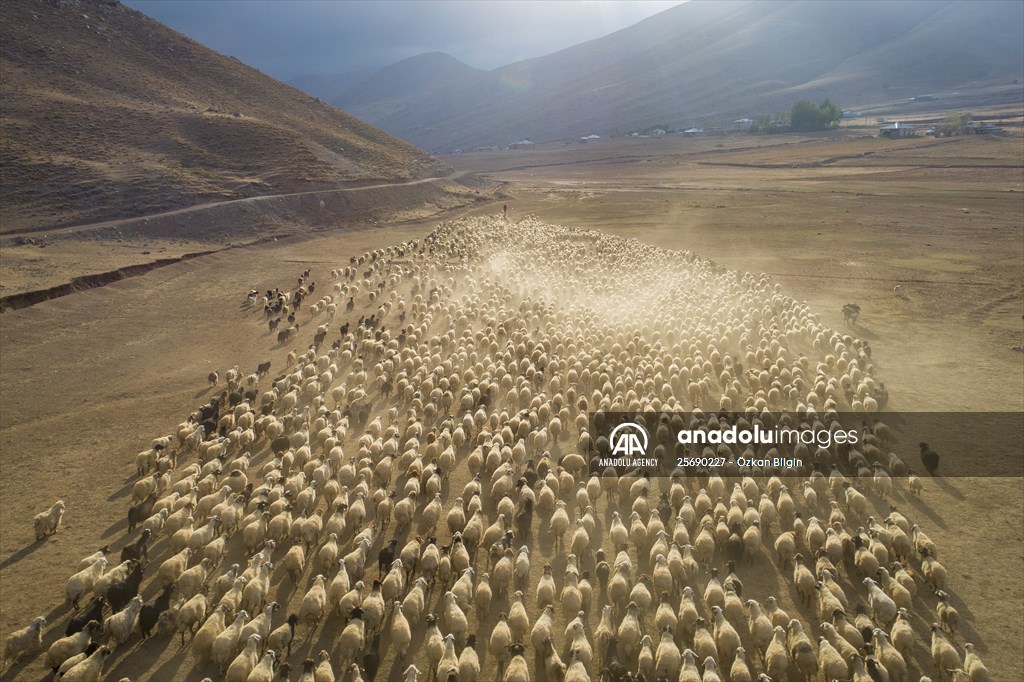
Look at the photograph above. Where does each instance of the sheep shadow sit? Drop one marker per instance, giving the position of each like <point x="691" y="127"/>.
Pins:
<point x="923" y="509"/>
<point x="25" y="551"/>
<point x="125" y="489"/>
<point x="13" y="672"/>
<point x="152" y="648"/>
<point x="115" y="527"/>
<point x="57" y="613"/>
<point x="949" y="488"/>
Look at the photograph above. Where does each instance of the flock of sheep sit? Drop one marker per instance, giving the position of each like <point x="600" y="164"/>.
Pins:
<point x="412" y="498"/>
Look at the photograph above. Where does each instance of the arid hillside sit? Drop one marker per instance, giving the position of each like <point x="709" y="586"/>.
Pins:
<point x="109" y="114"/>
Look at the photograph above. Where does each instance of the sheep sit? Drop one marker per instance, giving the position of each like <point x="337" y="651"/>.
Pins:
<point x="89" y="669"/>
<point x="934" y="572"/>
<point x="281" y="638"/>
<point x="944" y="655"/>
<point x="27" y="640"/>
<point x="94" y="611"/>
<point x="48" y="522"/>
<point x="227" y="644"/>
<point x="119" y="626"/>
<point x="777" y="655"/>
<point x="139" y="549"/>
<point x="522" y="375"/>
<point x="202" y="641"/>
<point x="190" y="615"/>
<point x="976" y="670"/>
<point x="172" y="568"/>
<point x="264" y="670"/>
<point x="313" y="602"/>
<point x="353" y="637"/>
<point x="883" y="608"/>
<point x="401" y="633"/>
<point x="91" y="559"/>
<point x="517" y="669"/>
<point x="150" y="612"/>
<point x="83" y="582"/>
<point x="245" y="662"/>
<point x="469" y="662"/>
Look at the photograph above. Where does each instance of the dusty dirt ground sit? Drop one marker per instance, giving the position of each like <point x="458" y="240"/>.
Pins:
<point x="87" y="380"/>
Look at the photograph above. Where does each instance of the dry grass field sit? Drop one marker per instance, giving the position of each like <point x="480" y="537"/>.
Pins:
<point x="87" y="380"/>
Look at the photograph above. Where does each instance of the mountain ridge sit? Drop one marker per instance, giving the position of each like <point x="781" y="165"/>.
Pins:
<point x="707" y="60"/>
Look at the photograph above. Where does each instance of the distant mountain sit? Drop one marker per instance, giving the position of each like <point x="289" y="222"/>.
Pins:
<point x="330" y="87"/>
<point x="105" y="113"/>
<point x="702" y="61"/>
<point x="396" y="92"/>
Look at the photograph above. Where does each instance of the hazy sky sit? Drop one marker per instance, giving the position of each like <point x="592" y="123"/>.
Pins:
<point x="288" y="38"/>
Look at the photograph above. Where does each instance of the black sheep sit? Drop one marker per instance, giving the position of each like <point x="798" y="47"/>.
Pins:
<point x="280" y="444"/>
<point x="734" y="546"/>
<point x="530" y="475"/>
<point x="930" y="459"/>
<point x="664" y="507"/>
<point x="93" y="612"/>
<point x="524" y="519"/>
<point x="386" y="557"/>
<point x="122" y="591"/>
<point x="138" y="513"/>
<point x="151" y="610"/>
<point x="139" y="549"/>
<point x="371" y="659"/>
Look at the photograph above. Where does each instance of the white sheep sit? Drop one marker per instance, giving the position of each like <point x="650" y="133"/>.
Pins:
<point x="89" y="669"/>
<point x="83" y="582"/>
<point x="72" y="645"/>
<point x="48" y="522"/>
<point x="119" y="626"/>
<point x="27" y="640"/>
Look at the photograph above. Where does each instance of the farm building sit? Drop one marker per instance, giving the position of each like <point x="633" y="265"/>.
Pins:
<point x="521" y="144"/>
<point x="976" y="128"/>
<point x="896" y="130"/>
<point x="693" y="132"/>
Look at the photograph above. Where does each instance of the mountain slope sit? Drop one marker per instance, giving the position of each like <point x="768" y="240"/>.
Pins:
<point x="715" y="60"/>
<point x="106" y="114"/>
<point x="397" y="92"/>
<point x="330" y="86"/>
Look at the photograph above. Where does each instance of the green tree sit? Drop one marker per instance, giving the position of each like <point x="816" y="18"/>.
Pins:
<point x="805" y="116"/>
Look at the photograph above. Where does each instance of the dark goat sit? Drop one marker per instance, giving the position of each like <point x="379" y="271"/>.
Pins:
<point x="371" y="659"/>
<point x="151" y="610"/>
<point x="930" y="459"/>
<point x="138" y="513"/>
<point x="524" y="519"/>
<point x="93" y="612"/>
<point x="280" y="444"/>
<point x="387" y="556"/>
<point x="139" y="549"/>
<point x="122" y="591"/>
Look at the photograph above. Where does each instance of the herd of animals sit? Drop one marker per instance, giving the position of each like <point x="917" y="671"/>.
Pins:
<point x="412" y="498"/>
